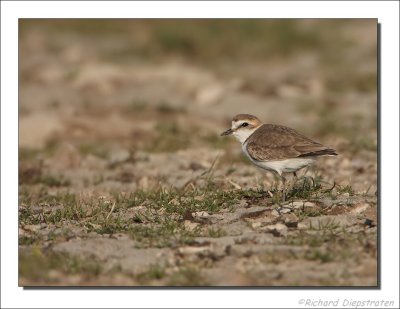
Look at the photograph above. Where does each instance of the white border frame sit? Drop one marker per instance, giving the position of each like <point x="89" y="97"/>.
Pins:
<point x="12" y="296"/>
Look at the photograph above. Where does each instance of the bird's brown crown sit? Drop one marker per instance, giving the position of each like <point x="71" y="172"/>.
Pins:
<point x="244" y="117"/>
<point x="253" y="120"/>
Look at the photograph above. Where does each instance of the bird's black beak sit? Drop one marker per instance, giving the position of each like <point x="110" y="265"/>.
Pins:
<point x="227" y="132"/>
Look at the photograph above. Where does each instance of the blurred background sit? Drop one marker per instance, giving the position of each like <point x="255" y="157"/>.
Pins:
<point x="110" y="111"/>
<point x="98" y="92"/>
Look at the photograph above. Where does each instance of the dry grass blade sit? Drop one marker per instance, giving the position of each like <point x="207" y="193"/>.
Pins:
<point x="208" y="174"/>
<point x="238" y="187"/>
<point x="112" y="209"/>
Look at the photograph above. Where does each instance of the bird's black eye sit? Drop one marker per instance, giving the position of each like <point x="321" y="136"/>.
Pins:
<point x="245" y="124"/>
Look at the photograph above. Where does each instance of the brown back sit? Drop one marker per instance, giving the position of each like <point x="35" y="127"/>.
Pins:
<point x="275" y="142"/>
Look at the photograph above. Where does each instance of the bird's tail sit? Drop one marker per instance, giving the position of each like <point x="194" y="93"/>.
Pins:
<point x="322" y="152"/>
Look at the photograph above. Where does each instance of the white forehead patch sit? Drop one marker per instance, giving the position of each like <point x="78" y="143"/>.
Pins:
<point x="238" y="123"/>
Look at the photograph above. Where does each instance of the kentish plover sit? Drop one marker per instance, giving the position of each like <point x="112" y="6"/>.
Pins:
<point x="275" y="148"/>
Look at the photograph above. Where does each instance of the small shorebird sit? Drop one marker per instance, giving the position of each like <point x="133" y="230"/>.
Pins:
<point x="275" y="148"/>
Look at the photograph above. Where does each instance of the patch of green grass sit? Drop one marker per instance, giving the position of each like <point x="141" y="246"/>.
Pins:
<point x="329" y="115"/>
<point x="361" y="81"/>
<point x="330" y="125"/>
<point x="328" y="225"/>
<point x="365" y="143"/>
<point x="215" y="232"/>
<point x="305" y="188"/>
<point x="36" y="266"/>
<point x="306" y="213"/>
<point x="312" y="239"/>
<point x="72" y="209"/>
<point x="319" y="255"/>
<point x="201" y="40"/>
<point x="329" y="245"/>
<point x="346" y="189"/>
<point x="160" y="224"/>
<point x="103" y="225"/>
<point x="163" y="108"/>
<point x="53" y="181"/>
<point x="27" y="216"/>
<point x="207" y="41"/>
<point x="188" y="38"/>
<point x="366" y="82"/>
<point x="277" y="256"/>
<point x="62" y="234"/>
<point x="169" y="137"/>
<point x="26" y="154"/>
<point x="187" y="276"/>
<point x="153" y="273"/>
<point x="216" y="141"/>
<point x="174" y="201"/>
<point x="30" y="154"/>
<point x="95" y="149"/>
<point x="25" y="197"/>
<point x="29" y="174"/>
<point x="33" y="174"/>
<point x="325" y="246"/>
<point x="164" y="235"/>
<point x="30" y="240"/>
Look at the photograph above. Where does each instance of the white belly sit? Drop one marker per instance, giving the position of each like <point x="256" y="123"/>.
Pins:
<point x="285" y="166"/>
<point x="281" y="166"/>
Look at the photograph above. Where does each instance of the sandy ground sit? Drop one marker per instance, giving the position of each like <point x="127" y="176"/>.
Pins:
<point x="124" y="179"/>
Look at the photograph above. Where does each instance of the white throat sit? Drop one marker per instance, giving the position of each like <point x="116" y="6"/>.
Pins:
<point x="243" y="134"/>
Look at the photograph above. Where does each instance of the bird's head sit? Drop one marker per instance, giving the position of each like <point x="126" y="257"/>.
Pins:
<point x="243" y="125"/>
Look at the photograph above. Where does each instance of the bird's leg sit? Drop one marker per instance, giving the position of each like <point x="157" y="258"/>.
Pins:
<point x="275" y="186"/>
<point x="263" y="184"/>
<point x="264" y="188"/>
<point x="307" y="178"/>
<point x="283" y="188"/>
<point x="294" y="180"/>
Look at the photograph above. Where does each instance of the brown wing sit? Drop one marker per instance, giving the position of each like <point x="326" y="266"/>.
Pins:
<point x="274" y="142"/>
